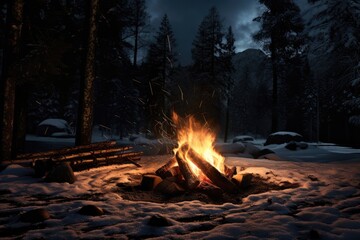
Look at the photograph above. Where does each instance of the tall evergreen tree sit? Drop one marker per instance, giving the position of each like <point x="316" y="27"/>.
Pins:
<point x="206" y="55"/>
<point x="227" y="55"/>
<point x="161" y="61"/>
<point x="139" y="23"/>
<point x="281" y="35"/>
<point x="8" y="78"/>
<point x="335" y="37"/>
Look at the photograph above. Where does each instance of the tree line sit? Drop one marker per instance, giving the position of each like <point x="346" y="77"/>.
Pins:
<point x="97" y="62"/>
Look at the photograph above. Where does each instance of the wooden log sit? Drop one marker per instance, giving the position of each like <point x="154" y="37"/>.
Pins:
<point x="229" y="171"/>
<point x="216" y="177"/>
<point x="80" y="155"/>
<point x="174" y="172"/>
<point x="149" y="182"/>
<point x="210" y="189"/>
<point x="161" y="172"/>
<point x="169" y="188"/>
<point x="65" y="151"/>
<point x="190" y="178"/>
<point x="242" y="180"/>
<point x="83" y="164"/>
<point x="95" y="153"/>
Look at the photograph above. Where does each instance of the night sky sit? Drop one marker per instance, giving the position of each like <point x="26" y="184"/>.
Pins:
<point x="185" y="17"/>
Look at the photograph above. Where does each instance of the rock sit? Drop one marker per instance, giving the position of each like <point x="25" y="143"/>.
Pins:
<point x="242" y="180"/>
<point x="228" y="148"/>
<point x="271" y="156"/>
<point x="243" y="138"/>
<point x="283" y="137"/>
<point x="251" y="149"/>
<point x="295" y="145"/>
<point x="149" y="182"/>
<point x="303" y="145"/>
<point x="291" y="146"/>
<point x="91" y="210"/>
<point x="158" y="220"/>
<point x="61" y="173"/>
<point x="42" y="167"/>
<point x="168" y="187"/>
<point x="263" y="152"/>
<point x="34" y="216"/>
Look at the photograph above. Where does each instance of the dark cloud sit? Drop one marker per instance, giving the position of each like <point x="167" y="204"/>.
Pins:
<point x="186" y="15"/>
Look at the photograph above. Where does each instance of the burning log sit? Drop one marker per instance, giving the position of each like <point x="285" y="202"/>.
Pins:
<point x="229" y="172"/>
<point x="191" y="180"/>
<point x="161" y="172"/>
<point x="216" y="177"/>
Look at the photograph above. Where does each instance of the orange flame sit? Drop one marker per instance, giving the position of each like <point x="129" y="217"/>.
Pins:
<point x="201" y="140"/>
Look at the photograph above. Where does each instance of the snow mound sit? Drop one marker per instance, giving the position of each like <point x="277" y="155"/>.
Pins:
<point x="243" y="138"/>
<point x="283" y="137"/>
<point x="53" y="126"/>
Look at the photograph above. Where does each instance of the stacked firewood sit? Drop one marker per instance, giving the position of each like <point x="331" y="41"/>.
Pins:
<point x="176" y="176"/>
<point x="82" y="157"/>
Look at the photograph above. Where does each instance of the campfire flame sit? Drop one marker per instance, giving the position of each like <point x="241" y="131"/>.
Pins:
<point x="201" y="139"/>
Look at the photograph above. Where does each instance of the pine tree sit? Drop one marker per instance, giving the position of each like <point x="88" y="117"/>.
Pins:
<point x="227" y="55"/>
<point x="161" y="61"/>
<point x="334" y="47"/>
<point x="281" y="35"/>
<point x="139" y="23"/>
<point x="206" y="55"/>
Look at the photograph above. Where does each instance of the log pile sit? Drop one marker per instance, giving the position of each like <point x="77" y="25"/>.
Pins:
<point x="177" y="176"/>
<point x="82" y="157"/>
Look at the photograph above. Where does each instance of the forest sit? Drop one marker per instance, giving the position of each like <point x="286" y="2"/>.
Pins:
<point x="100" y="63"/>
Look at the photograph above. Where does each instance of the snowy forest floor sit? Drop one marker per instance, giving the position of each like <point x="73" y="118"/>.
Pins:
<point x="322" y="202"/>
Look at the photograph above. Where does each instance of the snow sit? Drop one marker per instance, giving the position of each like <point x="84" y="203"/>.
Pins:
<point x="56" y="122"/>
<point x="326" y="202"/>
<point x="285" y="133"/>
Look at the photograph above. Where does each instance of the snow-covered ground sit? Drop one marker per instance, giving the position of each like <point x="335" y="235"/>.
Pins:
<point x="326" y="205"/>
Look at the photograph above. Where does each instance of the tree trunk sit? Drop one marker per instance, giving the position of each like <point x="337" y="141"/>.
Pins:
<point x="86" y="102"/>
<point x="275" y="110"/>
<point x="227" y="119"/>
<point x="20" y="119"/>
<point x="8" y="83"/>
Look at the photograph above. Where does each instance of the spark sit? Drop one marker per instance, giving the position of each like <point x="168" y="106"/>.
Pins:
<point x="168" y="93"/>
<point x="151" y="90"/>
<point x="38" y="102"/>
<point x="135" y="80"/>
<point x="169" y="43"/>
<point x="100" y="125"/>
<point x="200" y="104"/>
<point x="140" y="100"/>
<point x="213" y="94"/>
<point x="181" y="92"/>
